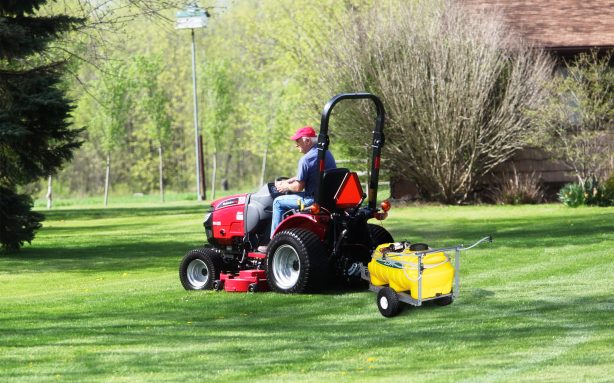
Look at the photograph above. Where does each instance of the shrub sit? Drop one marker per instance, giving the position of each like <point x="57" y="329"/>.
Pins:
<point x="513" y="188"/>
<point x="608" y="190"/>
<point x="589" y="192"/>
<point x="572" y="195"/>
<point x="18" y="222"/>
<point x="455" y="84"/>
<point x="593" y="192"/>
<point x="576" y="120"/>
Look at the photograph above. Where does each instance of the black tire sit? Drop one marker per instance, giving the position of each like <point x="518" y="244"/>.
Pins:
<point x="444" y="301"/>
<point x="379" y="235"/>
<point x="200" y="268"/>
<point x="388" y="302"/>
<point x="296" y="262"/>
<point x="218" y="285"/>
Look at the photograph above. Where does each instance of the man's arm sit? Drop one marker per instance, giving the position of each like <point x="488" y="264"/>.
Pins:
<point x="290" y="185"/>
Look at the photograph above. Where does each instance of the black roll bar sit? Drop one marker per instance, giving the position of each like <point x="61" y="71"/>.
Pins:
<point x="377" y="144"/>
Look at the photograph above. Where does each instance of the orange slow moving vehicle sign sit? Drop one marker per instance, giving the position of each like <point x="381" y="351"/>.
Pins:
<point x="350" y="192"/>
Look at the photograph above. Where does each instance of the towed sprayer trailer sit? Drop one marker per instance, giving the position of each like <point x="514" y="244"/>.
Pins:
<point x="414" y="274"/>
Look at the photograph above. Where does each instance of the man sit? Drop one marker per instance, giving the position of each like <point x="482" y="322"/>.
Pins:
<point x="303" y="186"/>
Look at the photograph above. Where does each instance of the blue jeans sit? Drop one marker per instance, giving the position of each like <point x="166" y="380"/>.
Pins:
<point x="284" y="203"/>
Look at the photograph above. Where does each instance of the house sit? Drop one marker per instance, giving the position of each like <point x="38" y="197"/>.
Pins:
<point x="563" y="27"/>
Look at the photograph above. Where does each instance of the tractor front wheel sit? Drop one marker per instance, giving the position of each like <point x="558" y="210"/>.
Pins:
<point x="296" y="262"/>
<point x="200" y="268"/>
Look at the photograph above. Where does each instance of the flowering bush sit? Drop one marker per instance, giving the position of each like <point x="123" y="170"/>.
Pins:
<point x="589" y="192"/>
<point x="572" y="195"/>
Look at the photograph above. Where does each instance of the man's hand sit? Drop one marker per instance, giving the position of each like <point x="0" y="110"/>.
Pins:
<point x="290" y="185"/>
<point x="281" y="186"/>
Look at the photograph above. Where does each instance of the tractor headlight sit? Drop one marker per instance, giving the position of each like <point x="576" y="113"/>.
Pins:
<point x="207" y="216"/>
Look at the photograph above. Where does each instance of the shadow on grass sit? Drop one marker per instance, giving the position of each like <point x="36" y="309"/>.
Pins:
<point x="231" y="326"/>
<point x="535" y="232"/>
<point x="109" y="213"/>
<point x="135" y="255"/>
<point x="113" y="247"/>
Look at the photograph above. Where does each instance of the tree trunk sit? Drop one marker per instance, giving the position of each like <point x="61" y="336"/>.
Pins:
<point x="161" y="173"/>
<point x="49" y="194"/>
<point x="213" y="175"/>
<point x="264" y="157"/>
<point x="106" y="181"/>
<point x="266" y="149"/>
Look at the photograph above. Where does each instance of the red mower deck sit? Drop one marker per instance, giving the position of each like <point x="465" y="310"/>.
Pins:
<point x="246" y="280"/>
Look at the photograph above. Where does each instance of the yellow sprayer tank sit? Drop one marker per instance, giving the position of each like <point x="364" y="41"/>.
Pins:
<point x="399" y="270"/>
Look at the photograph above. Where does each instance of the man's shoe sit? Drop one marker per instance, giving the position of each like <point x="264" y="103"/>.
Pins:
<point x="262" y="249"/>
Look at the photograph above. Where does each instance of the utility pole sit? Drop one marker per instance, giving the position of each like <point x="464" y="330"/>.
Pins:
<point x="193" y="17"/>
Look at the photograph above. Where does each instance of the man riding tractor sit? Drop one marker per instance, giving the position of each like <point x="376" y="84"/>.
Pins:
<point x="313" y="244"/>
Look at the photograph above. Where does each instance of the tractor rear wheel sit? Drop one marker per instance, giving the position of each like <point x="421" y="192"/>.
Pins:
<point x="296" y="262"/>
<point x="200" y="268"/>
<point x="379" y="235"/>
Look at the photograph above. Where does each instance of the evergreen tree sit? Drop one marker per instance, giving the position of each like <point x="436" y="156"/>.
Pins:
<point x="34" y="136"/>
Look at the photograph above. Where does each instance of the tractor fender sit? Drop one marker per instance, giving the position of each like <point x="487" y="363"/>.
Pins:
<point x="313" y="223"/>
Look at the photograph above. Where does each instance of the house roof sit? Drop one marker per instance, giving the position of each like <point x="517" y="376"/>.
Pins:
<point x="563" y="25"/>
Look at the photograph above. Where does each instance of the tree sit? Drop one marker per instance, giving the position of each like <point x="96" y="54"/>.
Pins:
<point x="111" y="112"/>
<point x="35" y="139"/>
<point x="456" y="87"/>
<point x="218" y="110"/>
<point x="154" y="103"/>
<point x="577" y="119"/>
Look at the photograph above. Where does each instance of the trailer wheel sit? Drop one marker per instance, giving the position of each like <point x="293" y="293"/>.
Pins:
<point x="444" y="301"/>
<point x="388" y="302"/>
<point x="200" y="268"/>
<point x="379" y="235"/>
<point x="296" y="262"/>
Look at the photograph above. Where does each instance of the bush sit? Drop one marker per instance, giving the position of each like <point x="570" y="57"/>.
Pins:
<point x="456" y="86"/>
<point x="589" y="193"/>
<point x="17" y="221"/>
<point x="608" y="190"/>
<point x="572" y="195"/>
<point x="576" y="120"/>
<point x="514" y="189"/>
<point x="593" y="192"/>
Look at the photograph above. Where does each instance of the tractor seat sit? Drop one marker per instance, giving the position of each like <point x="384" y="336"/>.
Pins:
<point x="337" y="195"/>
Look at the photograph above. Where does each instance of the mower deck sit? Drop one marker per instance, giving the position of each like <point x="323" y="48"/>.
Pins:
<point x="246" y="280"/>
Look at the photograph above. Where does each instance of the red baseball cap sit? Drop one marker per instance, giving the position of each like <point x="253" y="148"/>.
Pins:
<point x="305" y="131"/>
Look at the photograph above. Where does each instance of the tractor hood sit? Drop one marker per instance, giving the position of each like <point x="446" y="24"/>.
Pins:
<point x="237" y="199"/>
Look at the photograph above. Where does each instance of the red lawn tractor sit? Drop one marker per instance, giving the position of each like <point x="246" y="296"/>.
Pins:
<point x="312" y="247"/>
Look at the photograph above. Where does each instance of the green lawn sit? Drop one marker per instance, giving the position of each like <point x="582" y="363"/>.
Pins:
<point x="97" y="298"/>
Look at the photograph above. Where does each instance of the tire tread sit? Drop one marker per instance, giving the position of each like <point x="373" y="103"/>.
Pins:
<point x="316" y="264"/>
<point x="211" y="257"/>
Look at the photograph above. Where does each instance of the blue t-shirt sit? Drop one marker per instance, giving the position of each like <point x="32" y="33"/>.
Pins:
<point x="309" y="170"/>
